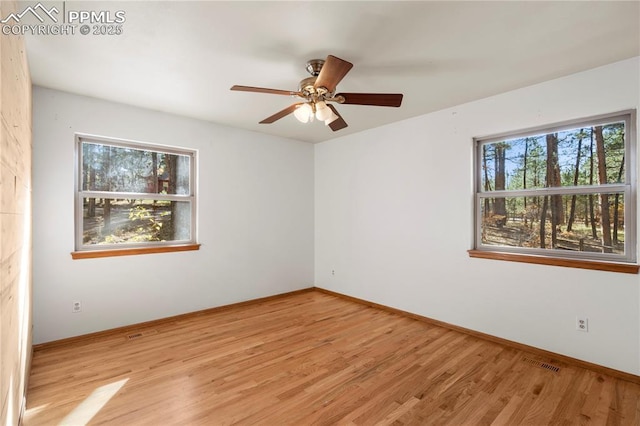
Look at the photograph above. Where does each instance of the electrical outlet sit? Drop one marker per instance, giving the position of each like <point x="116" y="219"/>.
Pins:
<point x="76" y="307"/>
<point x="582" y="324"/>
<point x="333" y="272"/>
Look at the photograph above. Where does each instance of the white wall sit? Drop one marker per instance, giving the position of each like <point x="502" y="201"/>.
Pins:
<point x="255" y="212"/>
<point x="394" y="213"/>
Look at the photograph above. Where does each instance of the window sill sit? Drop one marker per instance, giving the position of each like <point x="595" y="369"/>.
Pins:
<point x="569" y="263"/>
<point x="91" y="254"/>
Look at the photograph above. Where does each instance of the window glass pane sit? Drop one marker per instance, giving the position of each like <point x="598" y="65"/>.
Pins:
<point x="118" y="221"/>
<point x="118" y="169"/>
<point x="576" y="157"/>
<point x="580" y="222"/>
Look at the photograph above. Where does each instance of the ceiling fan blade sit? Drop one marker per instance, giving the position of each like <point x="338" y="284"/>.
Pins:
<point x="264" y="90"/>
<point x="376" y="99"/>
<point x="339" y="123"/>
<point x="278" y="115"/>
<point x="333" y="70"/>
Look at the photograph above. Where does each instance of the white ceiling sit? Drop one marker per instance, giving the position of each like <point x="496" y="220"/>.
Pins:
<point x="182" y="57"/>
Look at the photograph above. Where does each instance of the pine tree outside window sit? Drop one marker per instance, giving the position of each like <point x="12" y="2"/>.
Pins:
<point x="133" y="195"/>
<point x="564" y="191"/>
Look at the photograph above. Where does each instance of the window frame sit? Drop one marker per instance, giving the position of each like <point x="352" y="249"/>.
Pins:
<point x="554" y="256"/>
<point x="105" y="250"/>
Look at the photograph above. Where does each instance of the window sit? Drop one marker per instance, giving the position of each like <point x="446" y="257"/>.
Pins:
<point x="565" y="191"/>
<point x="131" y="195"/>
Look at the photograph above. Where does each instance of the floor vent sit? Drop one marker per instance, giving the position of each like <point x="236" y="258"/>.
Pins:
<point x="140" y="334"/>
<point x="544" y="365"/>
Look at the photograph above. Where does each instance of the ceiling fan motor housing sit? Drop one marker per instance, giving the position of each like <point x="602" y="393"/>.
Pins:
<point x="307" y="85"/>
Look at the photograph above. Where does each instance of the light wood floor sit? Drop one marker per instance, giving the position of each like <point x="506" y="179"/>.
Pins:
<point x="313" y="358"/>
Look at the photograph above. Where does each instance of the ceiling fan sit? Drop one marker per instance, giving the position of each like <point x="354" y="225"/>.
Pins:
<point x="315" y="91"/>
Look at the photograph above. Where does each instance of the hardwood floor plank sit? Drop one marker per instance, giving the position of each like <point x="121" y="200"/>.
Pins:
<point x="313" y="358"/>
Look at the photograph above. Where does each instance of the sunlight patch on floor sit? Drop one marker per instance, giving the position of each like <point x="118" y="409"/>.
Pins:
<point x="87" y="409"/>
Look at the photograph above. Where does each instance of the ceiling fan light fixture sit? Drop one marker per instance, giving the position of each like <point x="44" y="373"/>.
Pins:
<point x="322" y="111"/>
<point x="303" y="113"/>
